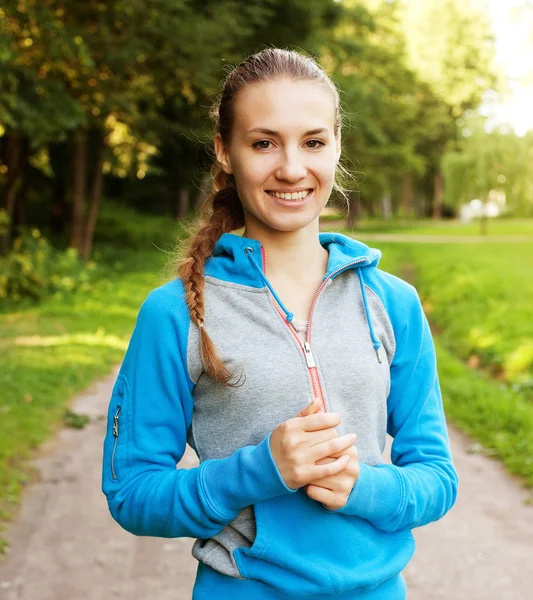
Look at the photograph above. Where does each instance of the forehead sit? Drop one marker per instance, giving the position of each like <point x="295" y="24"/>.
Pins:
<point x="285" y="106"/>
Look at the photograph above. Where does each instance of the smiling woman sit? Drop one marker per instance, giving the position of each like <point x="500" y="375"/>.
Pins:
<point x="283" y="503"/>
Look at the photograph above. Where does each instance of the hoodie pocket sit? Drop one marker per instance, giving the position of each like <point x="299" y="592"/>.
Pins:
<point x="115" y="446"/>
<point x="302" y="550"/>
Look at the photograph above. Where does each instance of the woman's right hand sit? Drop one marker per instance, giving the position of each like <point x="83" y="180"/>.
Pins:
<point x="298" y="443"/>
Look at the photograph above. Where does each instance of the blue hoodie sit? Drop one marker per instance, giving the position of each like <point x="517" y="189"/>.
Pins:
<point x="368" y="355"/>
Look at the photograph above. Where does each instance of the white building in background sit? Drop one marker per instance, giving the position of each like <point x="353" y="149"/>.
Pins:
<point x="493" y="207"/>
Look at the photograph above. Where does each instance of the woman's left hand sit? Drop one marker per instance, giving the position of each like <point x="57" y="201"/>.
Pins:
<point x="333" y="491"/>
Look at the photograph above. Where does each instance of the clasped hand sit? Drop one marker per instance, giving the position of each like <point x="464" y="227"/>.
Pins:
<point x="309" y="452"/>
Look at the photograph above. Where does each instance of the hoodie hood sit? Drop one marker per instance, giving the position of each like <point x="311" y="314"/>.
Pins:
<point x="230" y="262"/>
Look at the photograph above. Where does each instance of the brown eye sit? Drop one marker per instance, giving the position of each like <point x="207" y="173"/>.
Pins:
<point x="262" y="147"/>
<point x="316" y="144"/>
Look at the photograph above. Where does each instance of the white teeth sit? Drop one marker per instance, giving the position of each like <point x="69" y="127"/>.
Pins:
<point x="293" y="196"/>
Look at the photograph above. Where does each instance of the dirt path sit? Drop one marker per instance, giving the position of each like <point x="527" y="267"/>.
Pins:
<point x="65" y="545"/>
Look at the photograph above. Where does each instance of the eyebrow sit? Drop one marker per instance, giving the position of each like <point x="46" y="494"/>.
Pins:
<point x="271" y="132"/>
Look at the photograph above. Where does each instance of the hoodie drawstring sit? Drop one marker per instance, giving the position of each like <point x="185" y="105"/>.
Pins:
<point x="375" y="341"/>
<point x="248" y="251"/>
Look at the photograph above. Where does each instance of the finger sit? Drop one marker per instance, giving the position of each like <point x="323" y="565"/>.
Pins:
<point x="352" y="451"/>
<point x="332" y="446"/>
<point x="320" y="421"/>
<point x="322" y="471"/>
<point x="312" y="408"/>
<point x="323" y="435"/>
<point x="320" y="494"/>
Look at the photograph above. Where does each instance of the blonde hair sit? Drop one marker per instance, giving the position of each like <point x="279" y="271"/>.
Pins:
<point x="222" y="210"/>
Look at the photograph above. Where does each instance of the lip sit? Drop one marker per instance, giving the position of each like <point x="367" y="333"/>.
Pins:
<point x="288" y="191"/>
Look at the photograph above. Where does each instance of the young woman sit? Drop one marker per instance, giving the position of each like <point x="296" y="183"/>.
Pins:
<point x="268" y="354"/>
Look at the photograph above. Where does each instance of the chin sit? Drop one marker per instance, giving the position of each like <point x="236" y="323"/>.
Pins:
<point x="294" y="224"/>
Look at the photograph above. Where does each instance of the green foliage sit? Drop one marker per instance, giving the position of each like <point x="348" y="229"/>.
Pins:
<point x="451" y="46"/>
<point x="53" y="350"/>
<point x="499" y="417"/>
<point x="365" y="53"/>
<point x="483" y="164"/>
<point x="120" y="227"/>
<point x="479" y="297"/>
<point x="34" y="269"/>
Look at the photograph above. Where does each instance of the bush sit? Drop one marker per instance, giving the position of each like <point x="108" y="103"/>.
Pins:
<point x="34" y="269"/>
<point x="124" y="228"/>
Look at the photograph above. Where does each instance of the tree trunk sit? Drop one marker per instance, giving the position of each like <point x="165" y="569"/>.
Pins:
<point x="17" y="153"/>
<point x="79" y="168"/>
<point x="182" y="202"/>
<point x="407" y="195"/>
<point x="59" y="208"/>
<point x="353" y="210"/>
<point x="438" y="189"/>
<point x="385" y="205"/>
<point x="95" y="201"/>
<point x="21" y="217"/>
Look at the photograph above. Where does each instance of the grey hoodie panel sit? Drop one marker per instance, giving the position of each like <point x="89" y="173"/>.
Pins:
<point x="248" y="333"/>
<point x="354" y="383"/>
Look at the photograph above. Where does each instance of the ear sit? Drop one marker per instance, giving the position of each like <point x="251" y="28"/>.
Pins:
<point x="222" y="154"/>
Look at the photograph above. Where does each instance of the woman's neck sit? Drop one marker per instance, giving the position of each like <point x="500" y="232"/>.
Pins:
<point x="292" y="254"/>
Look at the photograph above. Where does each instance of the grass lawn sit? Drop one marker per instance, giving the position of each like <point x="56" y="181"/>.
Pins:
<point x="479" y="299"/>
<point x="446" y="227"/>
<point x="53" y="350"/>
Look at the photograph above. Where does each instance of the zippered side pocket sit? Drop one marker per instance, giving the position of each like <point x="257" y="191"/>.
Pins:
<point x="117" y="439"/>
<point x="115" y="442"/>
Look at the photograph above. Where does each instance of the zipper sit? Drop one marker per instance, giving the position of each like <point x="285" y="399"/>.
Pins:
<point x="115" y="435"/>
<point x="306" y="346"/>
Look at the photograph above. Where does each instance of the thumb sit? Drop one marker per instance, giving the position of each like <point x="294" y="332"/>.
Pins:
<point x="311" y="409"/>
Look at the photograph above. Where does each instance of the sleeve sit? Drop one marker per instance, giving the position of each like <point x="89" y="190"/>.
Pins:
<point x="421" y="484"/>
<point x="148" y="418"/>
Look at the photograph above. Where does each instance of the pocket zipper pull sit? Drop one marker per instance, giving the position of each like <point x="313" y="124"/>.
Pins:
<point x="115" y="422"/>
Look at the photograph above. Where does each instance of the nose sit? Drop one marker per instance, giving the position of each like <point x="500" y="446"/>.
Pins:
<point x="291" y="168"/>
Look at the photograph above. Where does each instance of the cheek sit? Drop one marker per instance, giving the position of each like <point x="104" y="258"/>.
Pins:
<point x="252" y="168"/>
<point x="324" y="167"/>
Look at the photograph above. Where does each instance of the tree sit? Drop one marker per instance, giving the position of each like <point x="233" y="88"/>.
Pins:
<point x="451" y="47"/>
<point x="365" y="53"/>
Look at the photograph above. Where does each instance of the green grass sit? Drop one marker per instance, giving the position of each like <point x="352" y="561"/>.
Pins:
<point x="454" y="227"/>
<point x="53" y="350"/>
<point x="489" y="412"/>
<point x="479" y="300"/>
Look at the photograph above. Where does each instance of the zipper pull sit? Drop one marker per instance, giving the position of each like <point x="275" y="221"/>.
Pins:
<point x="308" y="356"/>
<point x="115" y="422"/>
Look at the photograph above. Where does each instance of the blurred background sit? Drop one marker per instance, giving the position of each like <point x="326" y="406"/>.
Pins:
<point x="104" y="158"/>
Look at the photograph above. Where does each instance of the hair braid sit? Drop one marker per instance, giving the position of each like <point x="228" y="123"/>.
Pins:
<point x="226" y="215"/>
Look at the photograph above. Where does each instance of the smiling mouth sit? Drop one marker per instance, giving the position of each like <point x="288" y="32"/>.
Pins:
<point x="290" y="195"/>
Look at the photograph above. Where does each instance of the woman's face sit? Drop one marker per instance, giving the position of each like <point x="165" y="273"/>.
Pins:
<point x="282" y="142"/>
